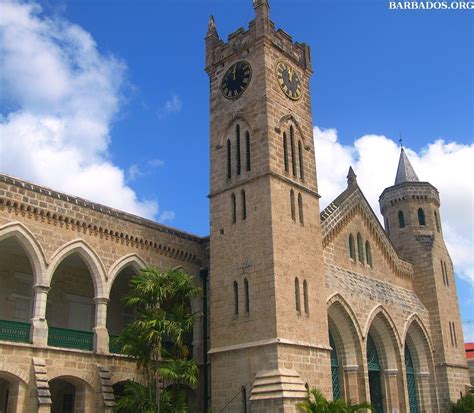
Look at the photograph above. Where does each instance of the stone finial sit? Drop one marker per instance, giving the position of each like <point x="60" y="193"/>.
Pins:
<point x="211" y="27"/>
<point x="405" y="172"/>
<point x="351" y="177"/>
<point x="257" y="3"/>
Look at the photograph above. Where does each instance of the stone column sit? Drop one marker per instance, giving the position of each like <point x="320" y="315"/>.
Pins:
<point x="423" y="390"/>
<point x="351" y="383"/>
<point x="391" y="390"/>
<point x="101" y="334"/>
<point x="39" y="325"/>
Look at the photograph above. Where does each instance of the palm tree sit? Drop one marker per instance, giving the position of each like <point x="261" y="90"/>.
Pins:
<point x="316" y="403"/>
<point x="156" y="338"/>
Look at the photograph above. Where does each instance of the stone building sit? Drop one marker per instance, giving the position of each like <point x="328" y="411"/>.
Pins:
<point x="293" y="298"/>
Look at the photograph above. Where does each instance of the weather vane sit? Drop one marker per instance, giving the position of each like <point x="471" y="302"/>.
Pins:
<point x="400" y="141"/>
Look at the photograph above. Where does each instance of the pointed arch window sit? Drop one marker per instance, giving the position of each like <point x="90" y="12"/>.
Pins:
<point x="442" y="272"/>
<point x="247" y="151"/>
<point x="360" y="248"/>
<point x="236" y="298"/>
<point x="300" y="209"/>
<point x="292" y="205"/>
<point x="411" y="381"/>
<point x="234" y="208"/>
<point x="285" y="151"/>
<point x="421" y="217"/>
<point x="244" y="399"/>
<point x="297" y="295"/>
<point x="293" y="154"/>
<point x="247" y="295"/>
<point x="244" y="205"/>
<point x="305" y="297"/>
<point x="229" y="159"/>
<point x="446" y="273"/>
<point x="300" y="158"/>
<point x="437" y="222"/>
<point x="368" y="254"/>
<point x="336" y="383"/>
<point x="401" y="219"/>
<point x="352" y="253"/>
<point x="237" y="148"/>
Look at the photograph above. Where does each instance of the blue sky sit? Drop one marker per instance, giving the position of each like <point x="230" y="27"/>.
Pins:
<point x="144" y="120"/>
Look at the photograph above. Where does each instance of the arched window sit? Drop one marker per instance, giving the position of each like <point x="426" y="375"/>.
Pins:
<point x="247" y="151"/>
<point x="229" y="159"/>
<point x="293" y="154"/>
<point x="285" y="151"/>
<point x="360" y="248"/>
<point x="300" y="158"/>
<point x="234" y="208"/>
<point x="244" y="205"/>
<point x="305" y="297"/>
<point x="401" y="219"/>
<point x="292" y="205"/>
<point x="438" y="223"/>
<point x="443" y="273"/>
<point x="236" y="298"/>
<point x="336" y="383"/>
<point x="368" y="254"/>
<point x="300" y="209"/>
<point x="352" y="253"/>
<point x="237" y="148"/>
<point x="421" y="217"/>
<point x="247" y="295"/>
<point x="297" y="295"/>
<point x="411" y="381"/>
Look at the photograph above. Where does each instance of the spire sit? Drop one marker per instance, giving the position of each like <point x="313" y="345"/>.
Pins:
<point x="405" y="172"/>
<point x="351" y="177"/>
<point x="211" y="27"/>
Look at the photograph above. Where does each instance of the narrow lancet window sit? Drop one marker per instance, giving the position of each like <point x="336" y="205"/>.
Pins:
<point x="244" y="205"/>
<point x="292" y="205"/>
<point x="352" y="247"/>
<point x="360" y="248"/>
<point x="368" y="254"/>
<point x="234" y="208"/>
<point x="247" y="295"/>
<point x="247" y="151"/>
<point x="305" y="297"/>
<point x="229" y="159"/>
<point x="421" y="217"/>
<point x="285" y="151"/>
<point x="237" y="148"/>
<point x="297" y="295"/>
<point x="401" y="219"/>
<point x="236" y="298"/>
<point x="293" y="154"/>
<point x="300" y="156"/>
<point x="300" y="209"/>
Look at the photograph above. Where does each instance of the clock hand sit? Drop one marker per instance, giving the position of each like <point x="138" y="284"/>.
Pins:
<point x="290" y="73"/>
<point x="235" y="69"/>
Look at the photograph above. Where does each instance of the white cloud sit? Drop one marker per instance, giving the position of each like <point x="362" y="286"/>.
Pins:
<point x="60" y="96"/>
<point x="166" y="216"/>
<point x="171" y="106"/>
<point x="449" y="166"/>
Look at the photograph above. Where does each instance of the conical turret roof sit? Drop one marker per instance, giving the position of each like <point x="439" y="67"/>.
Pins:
<point x="405" y="172"/>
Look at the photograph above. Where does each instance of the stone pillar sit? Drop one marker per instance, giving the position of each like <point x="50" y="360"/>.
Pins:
<point x="423" y="392"/>
<point x="101" y="334"/>
<point x="39" y="325"/>
<point x="391" y="390"/>
<point x="351" y="383"/>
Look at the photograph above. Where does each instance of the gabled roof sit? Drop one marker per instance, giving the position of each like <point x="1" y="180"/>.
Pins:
<point x="340" y="212"/>
<point x="405" y="172"/>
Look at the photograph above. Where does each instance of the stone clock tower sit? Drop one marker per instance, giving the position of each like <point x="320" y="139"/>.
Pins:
<point x="269" y="333"/>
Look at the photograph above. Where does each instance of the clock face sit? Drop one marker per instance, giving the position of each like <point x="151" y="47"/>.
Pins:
<point x="236" y="80"/>
<point x="288" y="80"/>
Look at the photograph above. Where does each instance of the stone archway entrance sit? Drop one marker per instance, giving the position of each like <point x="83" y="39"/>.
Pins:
<point x="375" y="381"/>
<point x="411" y="381"/>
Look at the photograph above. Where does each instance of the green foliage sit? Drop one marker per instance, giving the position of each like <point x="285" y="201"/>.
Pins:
<point x="316" y="403"/>
<point x="156" y="340"/>
<point x="464" y="405"/>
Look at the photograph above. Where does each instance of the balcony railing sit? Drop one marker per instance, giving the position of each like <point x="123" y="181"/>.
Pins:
<point x="15" y="331"/>
<point x="63" y="337"/>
